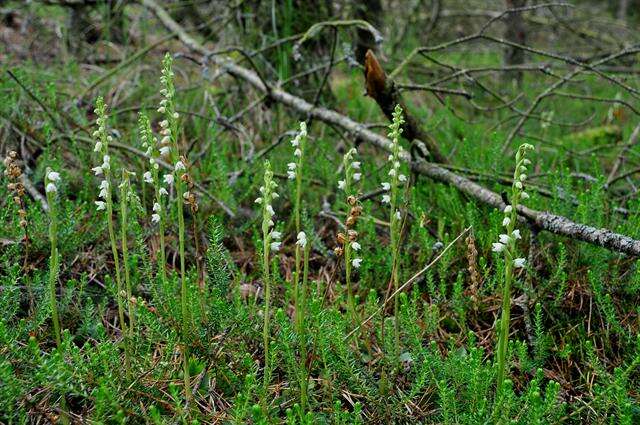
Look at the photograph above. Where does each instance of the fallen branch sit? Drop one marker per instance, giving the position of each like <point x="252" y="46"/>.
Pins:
<point x="544" y="220"/>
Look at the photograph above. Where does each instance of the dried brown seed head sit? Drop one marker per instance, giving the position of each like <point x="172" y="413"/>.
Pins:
<point x="351" y="200"/>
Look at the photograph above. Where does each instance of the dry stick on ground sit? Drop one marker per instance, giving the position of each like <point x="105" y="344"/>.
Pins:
<point x="544" y="220"/>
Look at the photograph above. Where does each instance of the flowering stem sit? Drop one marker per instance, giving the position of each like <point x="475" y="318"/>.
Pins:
<point x="162" y="260"/>
<point x="124" y="195"/>
<point x="303" y="349"/>
<point x="53" y="264"/>
<point x="296" y="279"/>
<point x="267" y="224"/>
<point x="267" y="301"/>
<point x="102" y="146"/>
<point x="295" y="171"/>
<point x="170" y="130"/>
<point x="507" y="244"/>
<point x="394" y="217"/>
<point x="151" y="143"/>
<point x="183" y="295"/>
<point x="116" y="264"/>
<point x="504" y="326"/>
<point x="347" y="269"/>
<point x="350" y="234"/>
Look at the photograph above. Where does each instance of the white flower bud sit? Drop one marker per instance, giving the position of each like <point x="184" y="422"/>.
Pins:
<point x="518" y="263"/>
<point x="301" y="239"/>
<point x="497" y="247"/>
<point x="275" y="246"/>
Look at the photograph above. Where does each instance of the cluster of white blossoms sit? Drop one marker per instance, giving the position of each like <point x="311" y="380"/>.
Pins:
<point x="298" y="143"/>
<point x="167" y="107"/>
<point x="301" y="239"/>
<point x="351" y="170"/>
<point x="347" y="241"/>
<point x="51" y="178"/>
<point x="164" y="147"/>
<point x="268" y="194"/>
<point x="102" y="147"/>
<point x="105" y="166"/>
<point x="155" y="217"/>
<point x="154" y="151"/>
<point x="394" y="159"/>
<point x="507" y="240"/>
<point x="355" y="246"/>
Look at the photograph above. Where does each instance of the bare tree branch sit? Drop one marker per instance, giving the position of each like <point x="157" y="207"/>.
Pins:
<point x="553" y="223"/>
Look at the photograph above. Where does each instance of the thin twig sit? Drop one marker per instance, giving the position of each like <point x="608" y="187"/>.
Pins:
<point x="409" y="282"/>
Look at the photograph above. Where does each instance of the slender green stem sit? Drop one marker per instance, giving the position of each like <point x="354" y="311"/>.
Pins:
<point x="119" y="289"/>
<point x="267" y="301"/>
<point x="102" y="146"/>
<point x="507" y="245"/>
<point x="267" y="191"/>
<point x="183" y="290"/>
<point x="504" y="327"/>
<point x="162" y="259"/>
<point x="394" y="268"/>
<point x="303" y="346"/>
<point x="53" y="267"/>
<point x="296" y="291"/>
<point x="171" y="125"/>
<point x="394" y="220"/>
<point x="124" y="194"/>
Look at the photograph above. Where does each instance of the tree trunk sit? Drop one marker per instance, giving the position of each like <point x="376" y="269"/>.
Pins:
<point x="370" y="11"/>
<point x="515" y="31"/>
